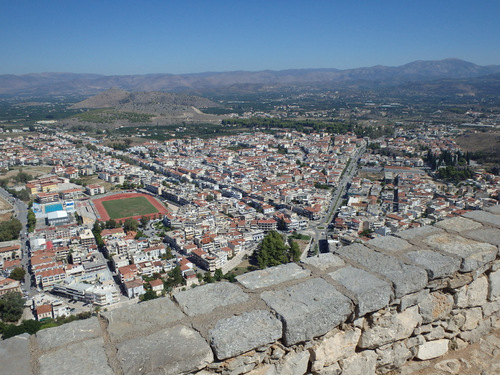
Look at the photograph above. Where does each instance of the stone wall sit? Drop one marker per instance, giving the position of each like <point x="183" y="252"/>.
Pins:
<point x="365" y="309"/>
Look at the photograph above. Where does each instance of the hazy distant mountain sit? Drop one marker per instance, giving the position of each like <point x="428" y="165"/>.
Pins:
<point x="87" y="84"/>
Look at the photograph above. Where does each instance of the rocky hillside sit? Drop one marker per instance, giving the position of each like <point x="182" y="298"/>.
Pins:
<point x="149" y="102"/>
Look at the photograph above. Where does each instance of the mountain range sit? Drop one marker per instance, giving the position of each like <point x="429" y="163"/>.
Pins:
<point x="202" y="83"/>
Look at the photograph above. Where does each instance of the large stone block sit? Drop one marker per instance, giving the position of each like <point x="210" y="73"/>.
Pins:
<point x="360" y="363"/>
<point x="87" y="357"/>
<point x="436" y="264"/>
<point x="494" y="285"/>
<point x="308" y="309"/>
<point x="405" y="278"/>
<point x="474" y="294"/>
<point x="484" y="217"/>
<point x="488" y="235"/>
<point x="432" y="349"/>
<point x="421" y="232"/>
<point x="239" y="334"/>
<point x="272" y="276"/>
<point x="371" y="292"/>
<point x="324" y="261"/>
<point x="206" y="298"/>
<point x="294" y="364"/>
<point x="169" y="351"/>
<point x="389" y="328"/>
<point x="436" y="306"/>
<point x="68" y="333"/>
<point x="128" y="320"/>
<point x="473" y="254"/>
<point x="493" y="209"/>
<point x="458" y="224"/>
<point x="334" y="348"/>
<point x="15" y="355"/>
<point x="390" y="244"/>
<point x="472" y="318"/>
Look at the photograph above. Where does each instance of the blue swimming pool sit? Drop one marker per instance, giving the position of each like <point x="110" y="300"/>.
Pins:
<point x="53" y="207"/>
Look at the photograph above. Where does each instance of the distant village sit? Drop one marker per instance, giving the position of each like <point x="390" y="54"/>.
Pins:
<point x="223" y="195"/>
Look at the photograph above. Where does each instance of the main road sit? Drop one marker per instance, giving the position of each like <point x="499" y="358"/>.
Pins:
<point x="21" y="212"/>
<point x="318" y="228"/>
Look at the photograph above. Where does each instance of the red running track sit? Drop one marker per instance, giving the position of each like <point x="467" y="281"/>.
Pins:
<point x="104" y="215"/>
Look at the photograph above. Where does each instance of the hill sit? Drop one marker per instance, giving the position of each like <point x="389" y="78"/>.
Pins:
<point x="88" y="84"/>
<point x="150" y="102"/>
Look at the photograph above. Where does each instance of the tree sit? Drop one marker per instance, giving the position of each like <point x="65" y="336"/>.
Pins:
<point x="130" y="225"/>
<point x="11" y="306"/>
<point x="144" y="221"/>
<point x="272" y="251"/>
<point x="218" y="274"/>
<point x="111" y="224"/>
<point x="207" y="278"/>
<point x="294" y="251"/>
<point x="31" y="221"/>
<point x="9" y="230"/>
<point x="18" y="274"/>
<point x="149" y="295"/>
<point x="175" y="277"/>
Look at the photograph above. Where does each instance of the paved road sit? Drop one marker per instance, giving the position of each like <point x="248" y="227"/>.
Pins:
<point x="319" y="228"/>
<point x="21" y="212"/>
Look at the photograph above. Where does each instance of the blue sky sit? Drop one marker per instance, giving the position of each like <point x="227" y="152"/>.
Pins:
<point x="191" y="36"/>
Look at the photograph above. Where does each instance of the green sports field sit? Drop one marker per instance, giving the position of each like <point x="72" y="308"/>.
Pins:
<point x="127" y="207"/>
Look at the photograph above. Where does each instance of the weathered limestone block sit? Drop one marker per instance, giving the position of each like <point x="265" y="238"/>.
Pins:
<point x="68" y="333"/>
<point x="334" y="348"/>
<point x="484" y="217"/>
<point x="389" y="328"/>
<point x="324" y="261"/>
<point x="406" y="278"/>
<point x="239" y="334"/>
<point x="168" y="351"/>
<point x="458" y="224"/>
<point x="494" y="286"/>
<point x="413" y="299"/>
<point x="433" y="349"/>
<point x="435" y="334"/>
<point x="436" y="306"/>
<point x="474" y="294"/>
<point x="473" y="254"/>
<point x="489" y="235"/>
<point x="472" y="318"/>
<point x="242" y="363"/>
<point x="459" y="280"/>
<point x="294" y="364"/>
<point x="330" y="370"/>
<point x="493" y="209"/>
<point x="360" y="363"/>
<point x="474" y="335"/>
<point x="272" y="276"/>
<point x="264" y="370"/>
<point x="371" y="292"/>
<point x="87" y="357"/>
<point x="308" y="309"/>
<point x="420" y="232"/>
<point x="15" y="355"/>
<point x="491" y="308"/>
<point x="206" y="298"/>
<point x="436" y="264"/>
<point x="392" y="356"/>
<point x="389" y="244"/>
<point x="141" y="317"/>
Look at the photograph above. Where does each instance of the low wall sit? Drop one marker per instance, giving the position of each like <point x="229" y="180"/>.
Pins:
<point x="365" y="309"/>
